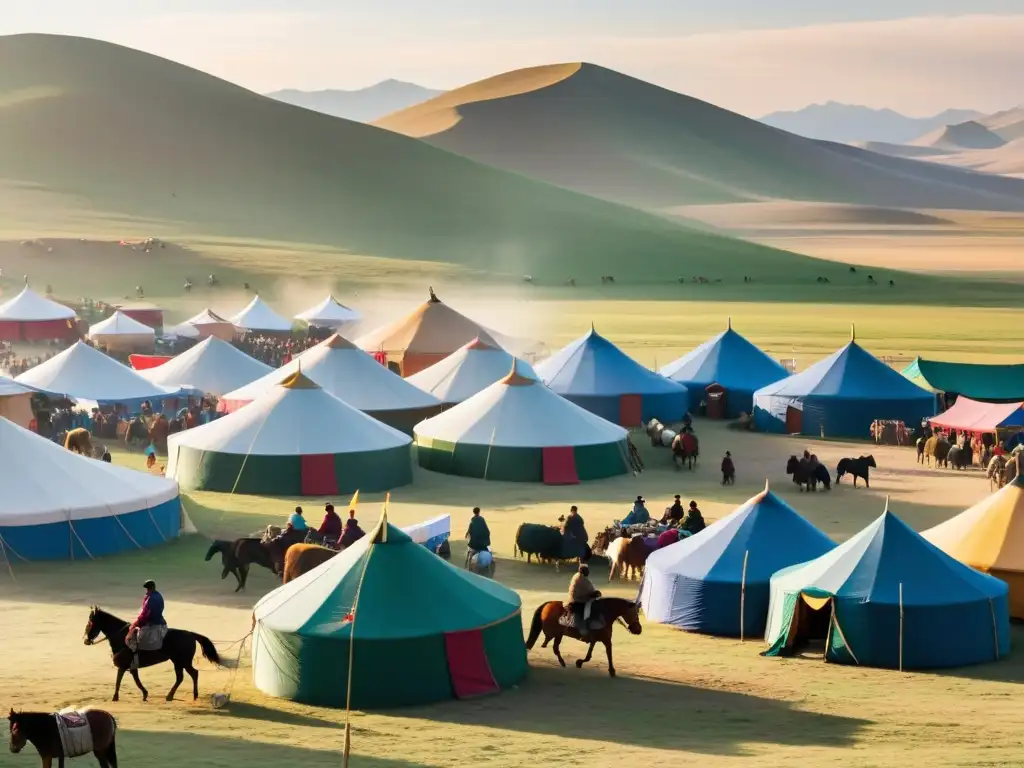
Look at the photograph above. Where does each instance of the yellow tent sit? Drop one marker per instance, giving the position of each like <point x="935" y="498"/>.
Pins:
<point x="990" y="537"/>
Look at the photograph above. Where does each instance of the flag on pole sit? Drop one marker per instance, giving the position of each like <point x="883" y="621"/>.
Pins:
<point x="355" y="500"/>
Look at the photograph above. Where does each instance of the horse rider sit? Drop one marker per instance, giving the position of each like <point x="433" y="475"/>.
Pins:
<point x="574" y="528"/>
<point x="694" y="522"/>
<point x="638" y="515"/>
<point x="581" y="594"/>
<point x="149" y="629"/>
<point x="352" y="533"/>
<point x="330" y="528"/>
<point x="478" y="534"/>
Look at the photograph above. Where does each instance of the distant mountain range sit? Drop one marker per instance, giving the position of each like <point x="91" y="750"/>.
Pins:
<point x="608" y="135"/>
<point x="850" y="124"/>
<point x="364" y="105"/>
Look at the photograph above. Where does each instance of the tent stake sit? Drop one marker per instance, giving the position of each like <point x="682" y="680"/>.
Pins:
<point x="901" y="626"/>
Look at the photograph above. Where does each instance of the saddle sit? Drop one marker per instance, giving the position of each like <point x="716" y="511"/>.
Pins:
<point x="75" y="732"/>
<point x="572" y="618"/>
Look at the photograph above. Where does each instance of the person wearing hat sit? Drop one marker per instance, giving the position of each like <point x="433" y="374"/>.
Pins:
<point x="330" y="528"/>
<point x="581" y="594"/>
<point x="147" y="632"/>
<point x="638" y="515"/>
<point x="728" y="470"/>
<point x="674" y="513"/>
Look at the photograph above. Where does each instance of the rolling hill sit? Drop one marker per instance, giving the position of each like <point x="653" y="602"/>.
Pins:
<point x="603" y="133"/>
<point x="363" y="105"/>
<point x="133" y="137"/>
<point x="851" y="124"/>
<point x="954" y="138"/>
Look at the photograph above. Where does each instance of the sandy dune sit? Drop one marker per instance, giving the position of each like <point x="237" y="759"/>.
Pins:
<point x="606" y="134"/>
<point x="969" y="135"/>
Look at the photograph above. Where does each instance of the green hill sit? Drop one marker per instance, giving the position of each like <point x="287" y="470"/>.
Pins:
<point x="130" y="136"/>
<point x="603" y="133"/>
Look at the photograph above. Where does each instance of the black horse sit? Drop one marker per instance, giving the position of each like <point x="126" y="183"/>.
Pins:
<point x="179" y="648"/>
<point x="857" y="467"/>
<point x="804" y="475"/>
<point x="236" y="557"/>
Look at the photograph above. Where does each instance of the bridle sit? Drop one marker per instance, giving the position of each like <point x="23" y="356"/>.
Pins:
<point x="95" y="640"/>
<point x="16" y="735"/>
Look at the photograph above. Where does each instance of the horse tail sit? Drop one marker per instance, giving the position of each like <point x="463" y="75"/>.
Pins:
<point x="535" y="627"/>
<point x="515" y="543"/>
<point x="209" y="649"/>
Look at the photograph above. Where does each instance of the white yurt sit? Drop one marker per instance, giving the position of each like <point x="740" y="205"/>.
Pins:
<point x="518" y="429"/>
<point x="206" y="323"/>
<point x="15" y="402"/>
<point x="258" y="317"/>
<point x="295" y="440"/>
<point x="31" y="317"/>
<point x="471" y="369"/>
<point x="58" y="505"/>
<point x="83" y="373"/>
<point x="329" y="313"/>
<point x="212" y="367"/>
<point x="121" y="333"/>
<point x="347" y="372"/>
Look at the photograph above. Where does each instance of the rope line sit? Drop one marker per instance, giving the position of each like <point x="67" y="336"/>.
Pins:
<point x="130" y="537"/>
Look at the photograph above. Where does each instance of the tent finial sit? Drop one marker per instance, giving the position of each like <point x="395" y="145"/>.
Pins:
<point x="853" y="332"/>
<point x="728" y="324"/>
<point x="766" y="485"/>
<point x="886" y="505"/>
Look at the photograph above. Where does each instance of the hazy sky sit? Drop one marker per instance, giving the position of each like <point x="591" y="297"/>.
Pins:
<point x="754" y="56"/>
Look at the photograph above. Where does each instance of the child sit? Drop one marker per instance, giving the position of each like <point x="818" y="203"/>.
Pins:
<point x="728" y="470"/>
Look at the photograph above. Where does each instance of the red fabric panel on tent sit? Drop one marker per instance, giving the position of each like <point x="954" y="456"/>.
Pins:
<point x="145" y="362"/>
<point x="468" y="665"/>
<point x="631" y="409"/>
<point x="381" y="357"/>
<point x="154" y="318"/>
<point x="10" y="330"/>
<point x="560" y="466"/>
<point x="44" y="330"/>
<point x="230" y="406"/>
<point x="318" y="478"/>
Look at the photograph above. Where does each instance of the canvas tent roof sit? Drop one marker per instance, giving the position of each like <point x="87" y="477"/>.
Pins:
<point x="9" y="387"/>
<point x="206" y="323"/>
<point x="727" y="359"/>
<point x="973" y="416"/>
<point x="433" y="328"/>
<point x="44" y="483"/>
<point x="84" y="373"/>
<point x="258" y="316"/>
<point x="993" y="383"/>
<point x="592" y="365"/>
<point x="347" y="372"/>
<point x="29" y="306"/>
<point x="520" y="412"/>
<point x="471" y="369"/>
<point x="296" y="417"/>
<point x="852" y="373"/>
<point x="329" y="313"/>
<point x="212" y="367"/>
<point x="120" y="324"/>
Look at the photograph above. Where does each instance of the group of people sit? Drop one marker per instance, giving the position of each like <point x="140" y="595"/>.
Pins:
<point x="332" y="532"/>
<point x="275" y="352"/>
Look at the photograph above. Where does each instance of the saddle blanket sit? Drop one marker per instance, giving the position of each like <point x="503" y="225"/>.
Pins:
<point x="149" y="638"/>
<point x="75" y="733"/>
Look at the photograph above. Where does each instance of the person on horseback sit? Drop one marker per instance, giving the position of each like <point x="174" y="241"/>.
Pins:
<point x="478" y="534"/>
<point x="330" y="528"/>
<point x="353" y="532"/>
<point x="148" y="630"/>
<point x="296" y="522"/>
<point x="574" y="528"/>
<point x="581" y="594"/>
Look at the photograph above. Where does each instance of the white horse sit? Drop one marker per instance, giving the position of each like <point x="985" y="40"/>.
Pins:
<point x="480" y="563"/>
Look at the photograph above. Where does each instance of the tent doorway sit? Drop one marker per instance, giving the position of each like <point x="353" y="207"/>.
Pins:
<point x="809" y="629"/>
<point x="794" y="421"/>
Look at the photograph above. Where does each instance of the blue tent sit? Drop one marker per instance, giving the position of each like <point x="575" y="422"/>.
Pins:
<point x="730" y="361"/>
<point x="840" y="396"/>
<point x="888" y="598"/>
<point x="596" y="375"/>
<point x="704" y="583"/>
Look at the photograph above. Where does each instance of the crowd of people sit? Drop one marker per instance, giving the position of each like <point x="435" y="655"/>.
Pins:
<point x="275" y="352"/>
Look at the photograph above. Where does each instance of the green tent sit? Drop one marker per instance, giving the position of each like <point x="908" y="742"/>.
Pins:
<point x="414" y="628"/>
<point x="985" y="383"/>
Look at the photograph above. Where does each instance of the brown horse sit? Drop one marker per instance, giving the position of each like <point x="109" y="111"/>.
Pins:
<point x="605" y="611"/>
<point x="302" y="558"/>
<point x="79" y="440"/>
<point x="40" y="730"/>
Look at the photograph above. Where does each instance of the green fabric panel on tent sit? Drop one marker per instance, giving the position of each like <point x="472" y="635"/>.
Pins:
<point x="386" y="673"/>
<point x="226" y="472"/>
<point x="517" y="464"/>
<point x="994" y="383"/>
<point x="405" y="419"/>
<point x="506" y="651"/>
<point x="839" y="651"/>
<point x="779" y="644"/>
<point x="373" y="471"/>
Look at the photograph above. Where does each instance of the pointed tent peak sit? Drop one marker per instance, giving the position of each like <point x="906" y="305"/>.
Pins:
<point x="728" y="324"/>
<point x="853" y="332"/>
<point x="299" y="380"/>
<point x="480" y="344"/>
<point x="433" y="296"/>
<point x="388" y="534"/>
<point x="515" y="378"/>
<point x="337" y="341"/>
<point x="886" y="510"/>
<point x="592" y="328"/>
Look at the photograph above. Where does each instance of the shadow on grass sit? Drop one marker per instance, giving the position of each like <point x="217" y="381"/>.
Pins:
<point x="201" y="751"/>
<point x="562" y="703"/>
<point x="245" y="711"/>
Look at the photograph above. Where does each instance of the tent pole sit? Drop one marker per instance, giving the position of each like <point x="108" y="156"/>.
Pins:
<point x="743" y="592"/>
<point x="901" y="626"/>
<point x="490" y="444"/>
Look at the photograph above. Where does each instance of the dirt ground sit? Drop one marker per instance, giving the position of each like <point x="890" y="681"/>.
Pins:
<point x="678" y="698"/>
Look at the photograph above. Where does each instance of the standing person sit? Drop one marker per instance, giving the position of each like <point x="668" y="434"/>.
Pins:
<point x="728" y="470"/>
<point x="478" y="534"/>
<point x="574" y="528"/>
<point x="148" y="630"/>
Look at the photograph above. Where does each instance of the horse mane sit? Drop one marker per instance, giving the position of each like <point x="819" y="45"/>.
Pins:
<point x="619" y="601"/>
<point x="99" y="613"/>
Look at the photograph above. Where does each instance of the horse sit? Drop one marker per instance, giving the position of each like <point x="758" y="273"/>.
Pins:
<point x="629" y="556"/>
<point x="549" y="544"/>
<point x="920" y="444"/>
<point x="179" y="648"/>
<point x="236" y="557"/>
<point x="685" y="450"/>
<point x="995" y="472"/>
<point x="960" y="456"/>
<point x="605" y="611"/>
<point x="79" y="440"/>
<point x="302" y="558"/>
<point x="137" y="433"/>
<point x="804" y="475"/>
<point x="476" y="564"/>
<point x="937" y="447"/>
<point x="41" y="731"/>
<point x="857" y="467"/>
